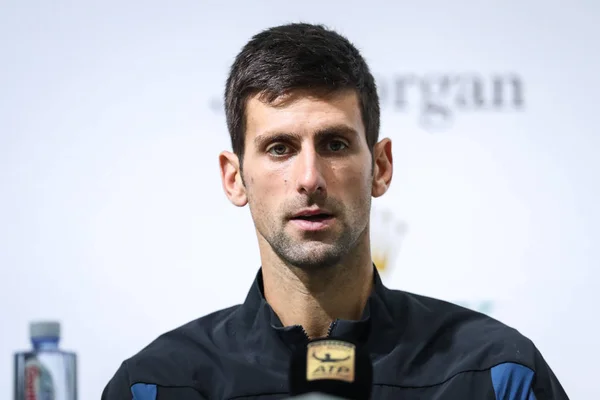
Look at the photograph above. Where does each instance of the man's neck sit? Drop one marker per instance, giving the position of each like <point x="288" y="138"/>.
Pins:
<point x="314" y="299"/>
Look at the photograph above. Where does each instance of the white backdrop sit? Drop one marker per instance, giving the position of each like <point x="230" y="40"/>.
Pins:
<point x="112" y="216"/>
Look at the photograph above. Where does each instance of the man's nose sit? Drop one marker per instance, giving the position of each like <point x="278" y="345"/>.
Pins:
<point x="309" y="173"/>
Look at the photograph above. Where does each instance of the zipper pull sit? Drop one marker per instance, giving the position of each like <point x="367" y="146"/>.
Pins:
<point x="331" y="326"/>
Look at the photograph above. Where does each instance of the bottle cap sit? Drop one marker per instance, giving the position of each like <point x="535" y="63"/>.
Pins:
<point x="44" y="329"/>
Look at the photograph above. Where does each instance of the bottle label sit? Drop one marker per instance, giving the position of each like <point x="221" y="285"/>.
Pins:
<point x="38" y="381"/>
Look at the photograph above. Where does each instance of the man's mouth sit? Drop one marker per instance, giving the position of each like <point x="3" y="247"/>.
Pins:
<point x="312" y="220"/>
<point x="313" y="217"/>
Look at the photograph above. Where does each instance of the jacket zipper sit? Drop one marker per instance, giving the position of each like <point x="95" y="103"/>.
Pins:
<point x="331" y="328"/>
<point x="304" y="332"/>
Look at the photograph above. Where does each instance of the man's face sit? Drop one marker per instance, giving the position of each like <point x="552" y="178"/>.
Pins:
<point x="307" y="171"/>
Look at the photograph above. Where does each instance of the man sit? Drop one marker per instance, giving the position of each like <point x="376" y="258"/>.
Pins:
<point x="303" y="114"/>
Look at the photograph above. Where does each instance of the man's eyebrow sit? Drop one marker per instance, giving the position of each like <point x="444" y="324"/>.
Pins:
<point x="324" y="133"/>
<point x="264" y="138"/>
<point x="336" y="130"/>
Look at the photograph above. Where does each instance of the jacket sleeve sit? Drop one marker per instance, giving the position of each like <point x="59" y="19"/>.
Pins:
<point x="545" y="385"/>
<point x="118" y="388"/>
<point x="515" y="381"/>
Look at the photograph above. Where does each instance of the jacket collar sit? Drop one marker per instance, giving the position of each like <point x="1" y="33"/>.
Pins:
<point x="258" y="316"/>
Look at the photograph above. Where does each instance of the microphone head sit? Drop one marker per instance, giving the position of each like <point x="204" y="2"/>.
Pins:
<point x="331" y="366"/>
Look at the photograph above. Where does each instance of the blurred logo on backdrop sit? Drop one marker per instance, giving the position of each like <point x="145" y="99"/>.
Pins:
<point x="388" y="233"/>
<point x="438" y="100"/>
<point x="485" y="306"/>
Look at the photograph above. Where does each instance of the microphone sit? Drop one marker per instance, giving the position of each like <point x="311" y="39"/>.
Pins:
<point x="330" y="368"/>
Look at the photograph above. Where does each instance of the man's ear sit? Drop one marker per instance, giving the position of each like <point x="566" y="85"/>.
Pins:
<point x="382" y="167"/>
<point x="231" y="178"/>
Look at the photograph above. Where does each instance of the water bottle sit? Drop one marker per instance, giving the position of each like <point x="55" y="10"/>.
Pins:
<point x="45" y="372"/>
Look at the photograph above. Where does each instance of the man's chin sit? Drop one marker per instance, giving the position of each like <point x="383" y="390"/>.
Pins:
<point x="313" y="265"/>
<point x="314" y="257"/>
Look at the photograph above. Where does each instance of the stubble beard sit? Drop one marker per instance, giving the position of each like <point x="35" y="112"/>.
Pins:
<point x="311" y="255"/>
<point x="321" y="251"/>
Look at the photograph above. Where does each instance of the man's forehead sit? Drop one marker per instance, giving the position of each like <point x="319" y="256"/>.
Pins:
<point x="304" y="111"/>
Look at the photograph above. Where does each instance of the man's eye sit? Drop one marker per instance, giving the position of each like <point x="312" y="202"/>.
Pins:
<point x="336" y="145"/>
<point x="278" y="149"/>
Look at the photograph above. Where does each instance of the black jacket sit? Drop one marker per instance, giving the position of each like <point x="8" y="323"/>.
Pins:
<point x="421" y="348"/>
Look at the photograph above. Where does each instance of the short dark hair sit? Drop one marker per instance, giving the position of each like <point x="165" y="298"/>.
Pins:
<point x="298" y="56"/>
